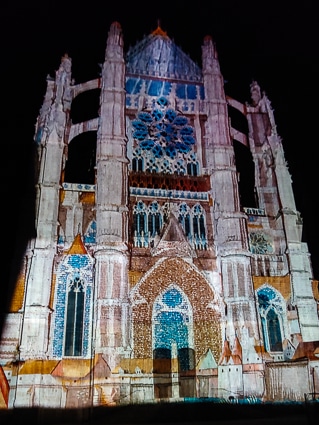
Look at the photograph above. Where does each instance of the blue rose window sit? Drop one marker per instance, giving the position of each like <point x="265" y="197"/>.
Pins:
<point x="163" y="132"/>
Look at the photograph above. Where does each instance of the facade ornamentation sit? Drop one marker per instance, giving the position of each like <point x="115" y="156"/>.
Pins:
<point x="150" y="278"/>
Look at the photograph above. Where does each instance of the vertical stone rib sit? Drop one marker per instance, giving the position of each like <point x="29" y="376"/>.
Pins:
<point x="111" y="205"/>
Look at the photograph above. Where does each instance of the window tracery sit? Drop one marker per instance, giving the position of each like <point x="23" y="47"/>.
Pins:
<point x="90" y="234"/>
<point x="193" y="223"/>
<point x="260" y="243"/>
<point x="271" y="310"/>
<point x="164" y="141"/>
<point x="72" y="316"/>
<point x="173" y="328"/>
<point x="148" y="221"/>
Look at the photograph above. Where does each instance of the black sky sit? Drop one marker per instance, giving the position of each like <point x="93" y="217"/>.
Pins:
<point x="273" y="42"/>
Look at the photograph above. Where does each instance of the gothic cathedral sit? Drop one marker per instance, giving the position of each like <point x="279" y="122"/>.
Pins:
<point x="168" y="263"/>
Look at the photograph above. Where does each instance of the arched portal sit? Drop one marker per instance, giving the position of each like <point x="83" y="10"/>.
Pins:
<point x="175" y="320"/>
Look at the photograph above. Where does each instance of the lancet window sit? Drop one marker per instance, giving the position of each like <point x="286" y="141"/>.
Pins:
<point x="173" y="328"/>
<point x="148" y="221"/>
<point x="73" y="310"/>
<point x="74" y="318"/>
<point x="270" y="307"/>
<point x="193" y="223"/>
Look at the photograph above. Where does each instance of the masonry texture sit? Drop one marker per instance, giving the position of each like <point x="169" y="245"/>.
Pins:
<point x="168" y="263"/>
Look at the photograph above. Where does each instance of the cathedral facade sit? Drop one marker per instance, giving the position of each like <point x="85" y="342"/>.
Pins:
<point x="159" y="272"/>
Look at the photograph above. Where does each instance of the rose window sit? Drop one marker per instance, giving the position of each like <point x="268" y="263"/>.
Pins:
<point x="162" y="138"/>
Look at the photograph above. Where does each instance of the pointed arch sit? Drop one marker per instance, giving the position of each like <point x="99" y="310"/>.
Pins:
<point x="90" y="234"/>
<point x="72" y="315"/>
<point x="271" y="308"/>
<point x="148" y="221"/>
<point x="198" y="298"/>
<point x="246" y="173"/>
<point x="81" y="159"/>
<point x="193" y="221"/>
<point x="172" y="334"/>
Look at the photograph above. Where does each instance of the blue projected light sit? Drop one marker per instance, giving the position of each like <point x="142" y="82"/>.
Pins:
<point x="163" y="132"/>
<point x="172" y="298"/>
<point x="78" y="261"/>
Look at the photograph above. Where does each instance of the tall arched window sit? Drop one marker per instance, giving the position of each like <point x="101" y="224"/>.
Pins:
<point x="185" y="219"/>
<point x="154" y="219"/>
<point x="270" y="307"/>
<point x="172" y="330"/>
<point x="147" y="223"/>
<point x="193" y="223"/>
<point x="140" y="225"/>
<point x="74" y="318"/>
<point x="72" y="315"/>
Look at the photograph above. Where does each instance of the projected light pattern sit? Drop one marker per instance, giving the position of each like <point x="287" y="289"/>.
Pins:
<point x="70" y="270"/>
<point x="164" y="141"/>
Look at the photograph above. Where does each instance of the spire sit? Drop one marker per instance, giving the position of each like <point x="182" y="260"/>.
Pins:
<point x="210" y="56"/>
<point x="237" y="351"/>
<point x="159" y="31"/>
<point x="111" y="158"/>
<point x="255" y="93"/>
<point x="115" y="43"/>
<point x="213" y="80"/>
<point x="226" y="353"/>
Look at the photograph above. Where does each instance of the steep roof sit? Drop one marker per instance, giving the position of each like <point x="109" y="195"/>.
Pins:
<point x="156" y="55"/>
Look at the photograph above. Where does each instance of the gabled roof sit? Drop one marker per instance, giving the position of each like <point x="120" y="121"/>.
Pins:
<point x="156" y="55"/>
<point x="207" y="361"/>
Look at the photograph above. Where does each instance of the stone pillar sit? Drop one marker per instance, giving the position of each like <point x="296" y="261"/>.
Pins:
<point x="50" y="133"/>
<point x="229" y="222"/>
<point x="111" y="277"/>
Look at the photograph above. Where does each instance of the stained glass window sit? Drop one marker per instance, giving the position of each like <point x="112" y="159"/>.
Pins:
<point x="74" y="318"/>
<point x="173" y="328"/>
<point x="164" y="141"/>
<point x="271" y="312"/>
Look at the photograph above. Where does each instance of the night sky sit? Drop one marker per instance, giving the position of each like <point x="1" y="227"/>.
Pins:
<point x="272" y="42"/>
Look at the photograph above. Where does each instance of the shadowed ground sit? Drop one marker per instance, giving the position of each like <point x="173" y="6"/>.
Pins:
<point x="169" y="414"/>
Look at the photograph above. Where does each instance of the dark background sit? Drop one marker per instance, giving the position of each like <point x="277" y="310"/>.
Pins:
<point x="273" y="42"/>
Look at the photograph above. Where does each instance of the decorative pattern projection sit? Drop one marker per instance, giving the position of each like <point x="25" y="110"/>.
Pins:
<point x="173" y="329"/>
<point x="259" y="243"/>
<point x="193" y="222"/>
<point x="90" y="234"/>
<point x="148" y="222"/>
<point x="164" y="142"/>
<point x="271" y="310"/>
<point x="73" y="309"/>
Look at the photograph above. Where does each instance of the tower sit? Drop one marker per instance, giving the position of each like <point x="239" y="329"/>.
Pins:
<point x="154" y="274"/>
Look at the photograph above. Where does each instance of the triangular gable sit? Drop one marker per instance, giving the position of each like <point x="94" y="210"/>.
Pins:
<point x="207" y="361"/>
<point x="172" y="241"/>
<point x="81" y="368"/>
<point x="77" y="246"/>
<point x="157" y="55"/>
